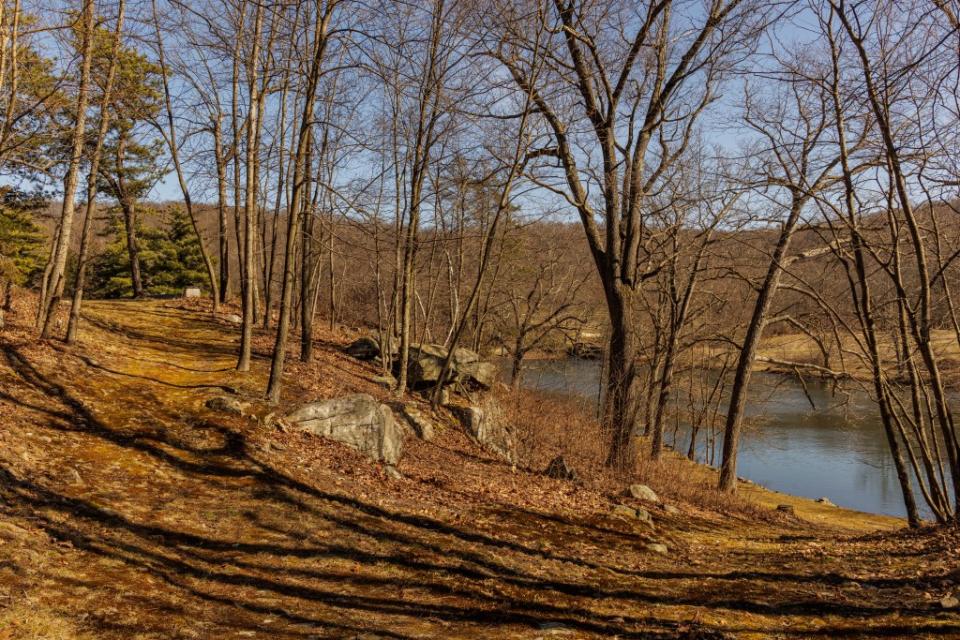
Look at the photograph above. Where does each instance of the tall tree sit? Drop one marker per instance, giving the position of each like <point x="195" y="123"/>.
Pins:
<point x="112" y="56"/>
<point x="628" y="85"/>
<point x="55" y="277"/>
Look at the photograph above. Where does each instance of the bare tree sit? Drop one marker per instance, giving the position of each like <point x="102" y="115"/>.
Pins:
<point x="636" y="81"/>
<point x="105" y="115"/>
<point x="54" y="279"/>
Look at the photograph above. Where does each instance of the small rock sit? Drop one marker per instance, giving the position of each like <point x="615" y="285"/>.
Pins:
<point x="191" y="292"/>
<point x="825" y="502"/>
<point x="672" y="510"/>
<point x="420" y="423"/>
<point x="392" y="472"/>
<point x="386" y="380"/>
<point x="559" y="469"/>
<point x="624" y="511"/>
<point x="643" y="515"/>
<point x="73" y="476"/>
<point x="786" y="508"/>
<point x="643" y="492"/>
<point x="233" y="318"/>
<point x="365" y="348"/>
<point x="949" y="602"/>
<point x="225" y="404"/>
<point x="658" y="547"/>
<point x="555" y="628"/>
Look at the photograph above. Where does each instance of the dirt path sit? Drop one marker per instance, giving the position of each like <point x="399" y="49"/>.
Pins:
<point x="129" y="511"/>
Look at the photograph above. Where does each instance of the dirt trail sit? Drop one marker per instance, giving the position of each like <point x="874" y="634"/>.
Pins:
<point x="130" y="511"/>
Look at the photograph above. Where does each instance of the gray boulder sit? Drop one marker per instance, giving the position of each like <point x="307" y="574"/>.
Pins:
<point x="226" y="404"/>
<point x="482" y="374"/>
<point x="625" y="511"/>
<point x="488" y="424"/>
<point x="426" y="363"/>
<point x="422" y="425"/>
<point x="643" y="515"/>
<point x="466" y="367"/>
<point x="385" y="380"/>
<point x="643" y="492"/>
<point x="365" y="348"/>
<point x="358" y="421"/>
<point x="233" y="318"/>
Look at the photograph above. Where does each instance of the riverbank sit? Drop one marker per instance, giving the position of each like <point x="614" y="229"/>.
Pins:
<point x="131" y="511"/>
<point x="793" y="353"/>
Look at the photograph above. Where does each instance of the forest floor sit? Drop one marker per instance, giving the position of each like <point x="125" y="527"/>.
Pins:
<point x="128" y="510"/>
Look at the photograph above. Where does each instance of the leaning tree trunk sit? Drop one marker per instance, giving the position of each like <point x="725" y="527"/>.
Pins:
<point x="58" y="257"/>
<point x="78" y="289"/>
<point x="748" y="352"/>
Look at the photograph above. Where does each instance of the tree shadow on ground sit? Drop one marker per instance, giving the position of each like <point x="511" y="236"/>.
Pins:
<point x="412" y="568"/>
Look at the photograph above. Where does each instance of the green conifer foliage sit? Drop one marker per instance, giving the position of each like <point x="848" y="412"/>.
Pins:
<point x="169" y="257"/>
<point x="22" y="241"/>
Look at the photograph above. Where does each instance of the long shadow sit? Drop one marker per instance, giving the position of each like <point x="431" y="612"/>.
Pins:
<point x="96" y="365"/>
<point x="276" y="482"/>
<point x="173" y="365"/>
<point x="166" y="342"/>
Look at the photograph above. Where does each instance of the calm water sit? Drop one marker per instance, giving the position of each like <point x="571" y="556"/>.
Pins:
<point x="836" y="448"/>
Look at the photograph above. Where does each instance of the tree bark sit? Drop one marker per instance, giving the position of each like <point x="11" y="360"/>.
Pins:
<point x="58" y="257"/>
<point x="76" y="306"/>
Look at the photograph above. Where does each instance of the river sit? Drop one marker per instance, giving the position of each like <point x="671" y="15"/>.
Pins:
<point x="834" y="448"/>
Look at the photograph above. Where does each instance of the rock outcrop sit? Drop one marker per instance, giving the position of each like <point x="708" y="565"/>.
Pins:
<point x="466" y="367"/>
<point x="421" y="424"/>
<point x="488" y="424"/>
<point x="559" y="469"/>
<point x="365" y="348"/>
<point x="358" y="421"/>
<point x="643" y="492"/>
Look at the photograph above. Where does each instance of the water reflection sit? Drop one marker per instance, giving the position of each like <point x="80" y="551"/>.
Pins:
<point x="834" y="447"/>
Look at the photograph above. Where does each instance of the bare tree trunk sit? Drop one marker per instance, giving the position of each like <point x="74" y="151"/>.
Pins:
<point x="289" y="259"/>
<point x="748" y="351"/>
<point x="75" y="308"/>
<point x="222" y="228"/>
<point x="170" y="136"/>
<point x="58" y="257"/>
<point x="250" y="219"/>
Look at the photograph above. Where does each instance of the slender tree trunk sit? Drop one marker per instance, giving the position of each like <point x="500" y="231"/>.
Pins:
<point x="289" y="260"/>
<point x="58" y="257"/>
<point x="307" y="260"/>
<point x="250" y="219"/>
<point x="222" y="228"/>
<point x="748" y="352"/>
<point x="171" y="138"/>
<point x="76" y="306"/>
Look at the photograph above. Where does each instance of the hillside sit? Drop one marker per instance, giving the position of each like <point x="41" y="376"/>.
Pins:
<point x="130" y="511"/>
